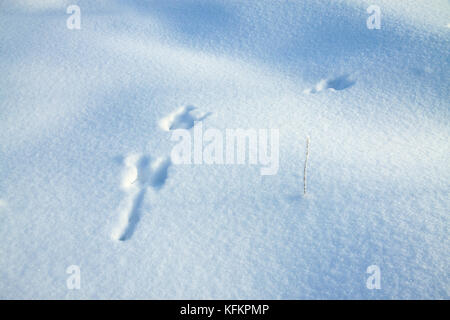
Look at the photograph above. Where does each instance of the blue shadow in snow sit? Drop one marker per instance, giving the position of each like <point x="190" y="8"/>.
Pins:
<point x="196" y="18"/>
<point x="135" y="215"/>
<point x="341" y="83"/>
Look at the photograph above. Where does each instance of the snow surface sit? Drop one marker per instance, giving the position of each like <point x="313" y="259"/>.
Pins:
<point x="78" y="108"/>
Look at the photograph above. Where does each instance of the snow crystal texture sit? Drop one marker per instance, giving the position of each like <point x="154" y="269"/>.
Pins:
<point x="86" y="118"/>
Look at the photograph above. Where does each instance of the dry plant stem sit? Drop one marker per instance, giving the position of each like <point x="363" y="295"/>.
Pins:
<point x="306" y="163"/>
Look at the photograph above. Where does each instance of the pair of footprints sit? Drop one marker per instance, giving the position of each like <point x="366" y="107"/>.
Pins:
<point x="141" y="173"/>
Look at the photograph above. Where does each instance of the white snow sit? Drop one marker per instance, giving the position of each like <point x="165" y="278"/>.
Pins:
<point x="85" y="125"/>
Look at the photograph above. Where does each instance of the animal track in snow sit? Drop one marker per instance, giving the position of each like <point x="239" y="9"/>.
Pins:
<point x="182" y="118"/>
<point x="335" y="84"/>
<point x="140" y="173"/>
